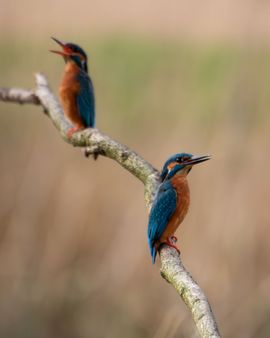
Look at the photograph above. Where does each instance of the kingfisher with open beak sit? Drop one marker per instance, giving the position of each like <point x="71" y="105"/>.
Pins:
<point x="76" y="89"/>
<point x="172" y="200"/>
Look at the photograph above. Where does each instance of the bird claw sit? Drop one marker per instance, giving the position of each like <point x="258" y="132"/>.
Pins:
<point x="173" y="238"/>
<point x="170" y="242"/>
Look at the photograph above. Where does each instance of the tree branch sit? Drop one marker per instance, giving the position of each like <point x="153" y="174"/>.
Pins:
<point x="18" y="95"/>
<point x="173" y="271"/>
<point x="97" y="143"/>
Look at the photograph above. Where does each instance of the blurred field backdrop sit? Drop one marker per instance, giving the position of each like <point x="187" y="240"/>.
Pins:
<point x="184" y="76"/>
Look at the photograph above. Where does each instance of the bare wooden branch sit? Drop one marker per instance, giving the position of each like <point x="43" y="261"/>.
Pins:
<point x="173" y="271"/>
<point x="95" y="142"/>
<point x="18" y="95"/>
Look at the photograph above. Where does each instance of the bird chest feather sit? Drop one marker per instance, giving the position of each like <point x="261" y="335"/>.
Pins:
<point x="70" y="85"/>
<point x="180" y="184"/>
<point x="68" y="92"/>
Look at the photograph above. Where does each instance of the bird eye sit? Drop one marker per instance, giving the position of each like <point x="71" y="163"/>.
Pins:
<point x="182" y="159"/>
<point x="69" y="50"/>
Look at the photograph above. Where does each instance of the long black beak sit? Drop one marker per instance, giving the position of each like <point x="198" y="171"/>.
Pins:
<point x="197" y="159"/>
<point x="59" y="42"/>
<point x="66" y="50"/>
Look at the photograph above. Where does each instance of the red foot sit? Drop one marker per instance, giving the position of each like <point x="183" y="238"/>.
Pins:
<point x="73" y="130"/>
<point x="170" y="241"/>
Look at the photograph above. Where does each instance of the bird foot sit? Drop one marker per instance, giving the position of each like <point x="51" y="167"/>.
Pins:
<point x="171" y="242"/>
<point x="73" y="130"/>
<point x="173" y="238"/>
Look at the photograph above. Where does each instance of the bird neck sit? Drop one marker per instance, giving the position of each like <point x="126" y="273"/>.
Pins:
<point x="180" y="183"/>
<point x="71" y="67"/>
<point x="178" y="171"/>
<point x="179" y="176"/>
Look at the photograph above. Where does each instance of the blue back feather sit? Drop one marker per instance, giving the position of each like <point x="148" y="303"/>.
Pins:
<point x="163" y="207"/>
<point x="86" y="99"/>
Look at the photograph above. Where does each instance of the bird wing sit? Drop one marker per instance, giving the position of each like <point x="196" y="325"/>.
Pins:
<point x="163" y="207"/>
<point x="86" y="99"/>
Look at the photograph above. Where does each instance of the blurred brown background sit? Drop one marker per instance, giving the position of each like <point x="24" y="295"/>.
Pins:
<point x="180" y="76"/>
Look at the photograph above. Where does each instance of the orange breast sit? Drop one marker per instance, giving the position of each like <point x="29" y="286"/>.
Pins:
<point x="68" y="91"/>
<point x="180" y="184"/>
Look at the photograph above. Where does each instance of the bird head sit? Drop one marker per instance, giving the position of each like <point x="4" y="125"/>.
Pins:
<point x="72" y="52"/>
<point x="181" y="164"/>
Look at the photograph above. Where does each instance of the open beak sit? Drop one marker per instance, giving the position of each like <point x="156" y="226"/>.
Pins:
<point x="197" y="159"/>
<point x="66" y="50"/>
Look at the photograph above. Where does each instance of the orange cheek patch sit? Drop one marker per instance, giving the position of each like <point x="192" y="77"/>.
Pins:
<point x="171" y="165"/>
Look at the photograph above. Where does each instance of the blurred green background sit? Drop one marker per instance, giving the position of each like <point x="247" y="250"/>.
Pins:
<point x="169" y="77"/>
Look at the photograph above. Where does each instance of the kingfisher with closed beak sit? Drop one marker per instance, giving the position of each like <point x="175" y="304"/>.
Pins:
<point x="76" y="89"/>
<point x="171" y="203"/>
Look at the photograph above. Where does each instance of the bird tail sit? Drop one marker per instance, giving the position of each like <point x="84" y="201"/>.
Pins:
<point x="153" y="250"/>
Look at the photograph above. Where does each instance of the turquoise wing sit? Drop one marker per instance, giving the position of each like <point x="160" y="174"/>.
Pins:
<point x="86" y="100"/>
<point x="163" y="208"/>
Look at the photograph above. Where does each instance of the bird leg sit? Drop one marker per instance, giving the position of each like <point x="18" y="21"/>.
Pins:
<point x="73" y="130"/>
<point x="171" y="242"/>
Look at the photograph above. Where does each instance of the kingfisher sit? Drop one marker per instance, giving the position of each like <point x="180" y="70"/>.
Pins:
<point x="76" y="90"/>
<point x="171" y="202"/>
